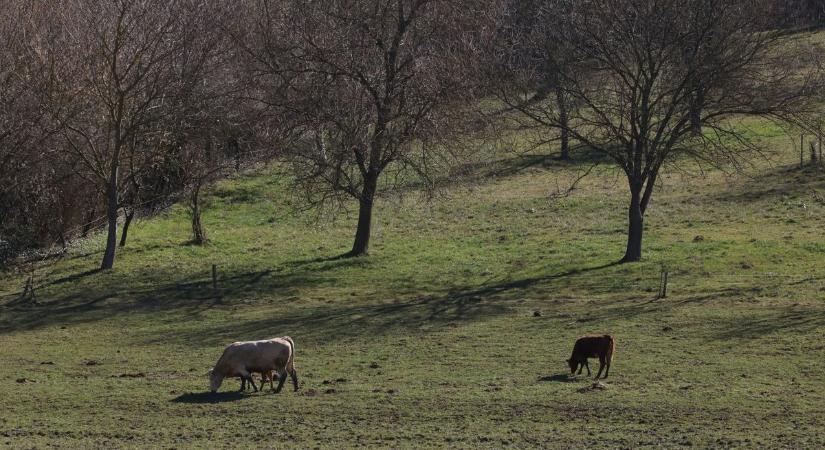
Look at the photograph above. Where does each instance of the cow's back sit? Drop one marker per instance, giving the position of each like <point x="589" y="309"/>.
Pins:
<point x="592" y="346"/>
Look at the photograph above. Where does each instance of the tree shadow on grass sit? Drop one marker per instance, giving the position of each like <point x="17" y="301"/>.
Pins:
<point x="559" y="378"/>
<point x="70" y="278"/>
<point x="783" y="181"/>
<point x="788" y="320"/>
<point x="208" y="397"/>
<point x="511" y="164"/>
<point x="580" y="156"/>
<point x="328" y="262"/>
<point x="112" y="297"/>
<point x="335" y="321"/>
<point x="406" y="310"/>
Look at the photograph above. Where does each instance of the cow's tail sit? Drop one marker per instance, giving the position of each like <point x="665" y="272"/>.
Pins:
<point x="290" y="363"/>
<point x="611" y="348"/>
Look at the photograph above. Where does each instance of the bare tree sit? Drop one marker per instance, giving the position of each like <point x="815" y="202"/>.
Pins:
<point x="532" y="36"/>
<point x="369" y="82"/>
<point x="648" y="75"/>
<point x="799" y="13"/>
<point x="214" y="121"/>
<point x="122" y="78"/>
<point x="20" y="112"/>
<point x="30" y="179"/>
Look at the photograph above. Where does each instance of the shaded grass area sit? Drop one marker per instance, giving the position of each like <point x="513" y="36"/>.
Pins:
<point x="453" y="333"/>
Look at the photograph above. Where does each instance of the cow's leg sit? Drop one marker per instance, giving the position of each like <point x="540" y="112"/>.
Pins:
<point x="581" y="367"/>
<point x="243" y="384"/>
<point x="294" y="375"/>
<point x="263" y="379"/>
<point x="248" y="376"/>
<point x="607" y="367"/>
<point x="588" y="367"/>
<point x="601" y="367"/>
<point x="252" y="382"/>
<point x="281" y="380"/>
<point x="271" y="376"/>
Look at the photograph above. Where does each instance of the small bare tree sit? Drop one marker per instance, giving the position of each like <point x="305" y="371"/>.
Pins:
<point x="213" y="120"/>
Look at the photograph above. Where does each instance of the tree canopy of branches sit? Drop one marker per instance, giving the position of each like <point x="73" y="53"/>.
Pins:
<point x="24" y="127"/>
<point x="653" y="82"/>
<point x="368" y="83"/>
<point x="127" y="105"/>
<point x="799" y="13"/>
<point x="120" y="105"/>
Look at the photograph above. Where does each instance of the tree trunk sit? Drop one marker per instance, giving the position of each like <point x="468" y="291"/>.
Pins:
<point x="362" y="233"/>
<point x="130" y="214"/>
<point x="565" y="134"/>
<point x="90" y="217"/>
<point x="635" y="227"/>
<point x="697" y="103"/>
<point x="198" y="233"/>
<point x="111" y="216"/>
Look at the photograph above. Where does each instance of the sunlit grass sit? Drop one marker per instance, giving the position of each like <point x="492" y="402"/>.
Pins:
<point x="433" y="340"/>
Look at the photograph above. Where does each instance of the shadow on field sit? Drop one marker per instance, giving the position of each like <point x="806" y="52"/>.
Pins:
<point x="559" y="378"/>
<point x="514" y="163"/>
<point x="336" y="321"/>
<point x="108" y="295"/>
<point x="782" y="181"/>
<point x="208" y="397"/>
<point x="74" y="277"/>
<point x="788" y="320"/>
<point x="340" y="320"/>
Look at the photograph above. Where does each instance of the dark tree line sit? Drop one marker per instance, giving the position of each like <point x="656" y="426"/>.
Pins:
<point x="120" y="107"/>
<point x="798" y="13"/>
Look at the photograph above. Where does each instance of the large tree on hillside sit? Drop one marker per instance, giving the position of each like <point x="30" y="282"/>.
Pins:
<point x="648" y="75"/>
<point x="369" y="84"/>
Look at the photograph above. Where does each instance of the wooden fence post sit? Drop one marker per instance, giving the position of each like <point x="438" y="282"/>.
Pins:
<point x="28" y="289"/>
<point x="663" y="283"/>
<point x="664" y="286"/>
<point x="215" y="291"/>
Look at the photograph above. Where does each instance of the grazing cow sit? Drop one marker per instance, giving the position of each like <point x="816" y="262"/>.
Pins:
<point x="241" y="359"/>
<point x="601" y="347"/>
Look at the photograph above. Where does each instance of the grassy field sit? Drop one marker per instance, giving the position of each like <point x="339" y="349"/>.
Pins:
<point x="454" y="332"/>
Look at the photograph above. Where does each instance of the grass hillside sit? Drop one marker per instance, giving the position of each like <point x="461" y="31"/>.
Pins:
<point x="434" y="340"/>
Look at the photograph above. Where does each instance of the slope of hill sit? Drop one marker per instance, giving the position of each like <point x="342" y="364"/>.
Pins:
<point x="454" y="332"/>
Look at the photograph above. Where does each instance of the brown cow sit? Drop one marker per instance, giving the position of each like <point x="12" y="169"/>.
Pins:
<point x="601" y="347"/>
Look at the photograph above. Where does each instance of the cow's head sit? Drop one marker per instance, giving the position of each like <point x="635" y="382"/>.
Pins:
<point x="215" y="380"/>
<point x="573" y="364"/>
